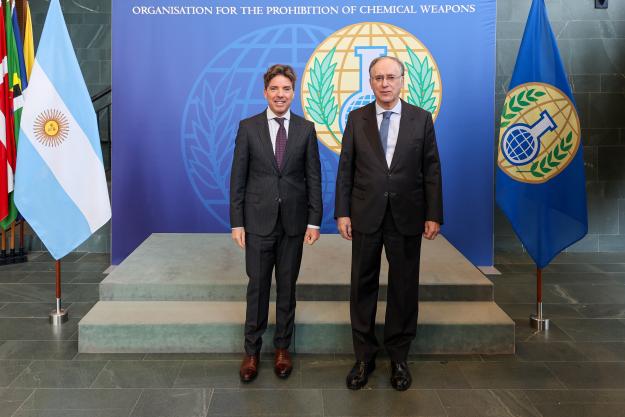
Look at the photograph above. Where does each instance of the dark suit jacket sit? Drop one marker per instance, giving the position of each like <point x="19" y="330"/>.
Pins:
<point x="412" y="184"/>
<point x="258" y="189"/>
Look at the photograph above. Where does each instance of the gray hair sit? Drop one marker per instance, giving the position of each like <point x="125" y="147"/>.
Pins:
<point x="392" y="58"/>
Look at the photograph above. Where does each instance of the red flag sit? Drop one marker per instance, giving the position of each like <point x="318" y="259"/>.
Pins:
<point x="7" y="133"/>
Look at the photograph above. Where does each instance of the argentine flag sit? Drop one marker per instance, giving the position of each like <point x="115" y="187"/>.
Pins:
<point x="60" y="185"/>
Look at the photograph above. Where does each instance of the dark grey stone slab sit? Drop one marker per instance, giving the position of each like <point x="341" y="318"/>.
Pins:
<point x="27" y="349"/>
<point x="11" y="399"/>
<point x="549" y="352"/>
<point x="478" y="403"/>
<point x="109" y="356"/>
<point x="575" y="294"/>
<point x="46" y="257"/>
<point x="589" y="375"/>
<point x="12" y="277"/>
<point x="578" y="396"/>
<point x="612" y="243"/>
<point x="581" y="410"/>
<point x="211" y="374"/>
<point x="87" y="278"/>
<point x="26" y="310"/>
<point x="71" y="413"/>
<point x="102" y="258"/>
<point x="36" y="329"/>
<point x="602" y="311"/>
<point x="27" y="293"/>
<point x="509" y="375"/>
<point x="48" y="277"/>
<point x="297" y="402"/>
<point x="593" y="329"/>
<point x="613" y="83"/>
<point x="602" y="351"/>
<point x="94" y="400"/>
<point x="82" y="292"/>
<point x="10" y="369"/>
<point x="605" y="112"/>
<point x="197" y="356"/>
<point x="138" y="374"/>
<point x="173" y="403"/>
<point x="552" y="311"/>
<point x="585" y="83"/>
<point x="79" y="309"/>
<point x="382" y="403"/>
<point x="58" y="374"/>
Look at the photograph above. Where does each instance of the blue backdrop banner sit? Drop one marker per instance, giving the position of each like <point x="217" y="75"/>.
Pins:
<point x="186" y="72"/>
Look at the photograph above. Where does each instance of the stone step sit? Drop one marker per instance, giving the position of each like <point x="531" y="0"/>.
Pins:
<point x="209" y="267"/>
<point x="321" y="327"/>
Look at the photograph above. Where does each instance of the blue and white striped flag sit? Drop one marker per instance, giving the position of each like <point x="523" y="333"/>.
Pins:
<point x="60" y="185"/>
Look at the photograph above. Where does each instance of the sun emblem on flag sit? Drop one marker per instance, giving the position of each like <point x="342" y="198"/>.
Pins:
<point x="51" y="127"/>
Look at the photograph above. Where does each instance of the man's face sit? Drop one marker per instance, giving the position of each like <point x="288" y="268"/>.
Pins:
<point x="386" y="82"/>
<point x="279" y="94"/>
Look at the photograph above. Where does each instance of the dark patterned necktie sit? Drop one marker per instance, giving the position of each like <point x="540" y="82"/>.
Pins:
<point x="280" y="141"/>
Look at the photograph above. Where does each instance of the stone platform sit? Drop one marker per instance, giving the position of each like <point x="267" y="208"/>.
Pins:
<point x="186" y="292"/>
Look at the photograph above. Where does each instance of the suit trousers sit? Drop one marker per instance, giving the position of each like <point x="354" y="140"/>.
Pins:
<point x="400" y="326"/>
<point x="262" y="254"/>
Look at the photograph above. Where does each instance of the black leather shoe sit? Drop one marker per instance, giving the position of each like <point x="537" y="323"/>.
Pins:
<point x="400" y="376"/>
<point x="359" y="375"/>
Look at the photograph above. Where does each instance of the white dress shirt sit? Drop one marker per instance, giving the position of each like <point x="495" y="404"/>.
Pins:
<point x="393" y="128"/>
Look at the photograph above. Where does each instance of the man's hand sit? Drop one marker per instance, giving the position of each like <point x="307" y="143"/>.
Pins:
<point x="432" y="229"/>
<point x="344" y="225"/>
<point x="311" y="236"/>
<point x="238" y="235"/>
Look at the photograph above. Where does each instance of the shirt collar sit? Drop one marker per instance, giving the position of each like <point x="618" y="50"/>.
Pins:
<point x="397" y="109"/>
<point x="271" y="115"/>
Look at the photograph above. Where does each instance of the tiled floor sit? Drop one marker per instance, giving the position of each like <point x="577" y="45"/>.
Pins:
<point x="576" y="369"/>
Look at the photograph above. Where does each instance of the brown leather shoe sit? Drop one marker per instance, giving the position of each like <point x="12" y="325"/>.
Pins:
<point x="249" y="368"/>
<point x="282" y="363"/>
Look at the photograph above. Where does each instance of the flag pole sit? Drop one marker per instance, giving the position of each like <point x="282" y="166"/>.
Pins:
<point x="537" y="321"/>
<point x="59" y="315"/>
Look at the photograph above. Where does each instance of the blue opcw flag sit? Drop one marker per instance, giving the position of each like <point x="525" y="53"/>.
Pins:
<point x="540" y="176"/>
<point x="60" y="186"/>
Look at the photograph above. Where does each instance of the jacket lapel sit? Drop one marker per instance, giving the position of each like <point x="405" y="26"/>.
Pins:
<point x="293" y="135"/>
<point x="265" y="138"/>
<point x="373" y="133"/>
<point x="404" y="133"/>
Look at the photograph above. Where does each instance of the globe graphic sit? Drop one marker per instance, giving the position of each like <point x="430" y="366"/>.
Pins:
<point x="521" y="153"/>
<point x="229" y="89"/>
<point x="520" y="145"/>
<point x="360" y="101"/>
<point x="346" y="78"/>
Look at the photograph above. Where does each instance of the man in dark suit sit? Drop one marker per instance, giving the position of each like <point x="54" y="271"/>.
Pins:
<point x="275" y="207"/>
<point x="388" y="194"/>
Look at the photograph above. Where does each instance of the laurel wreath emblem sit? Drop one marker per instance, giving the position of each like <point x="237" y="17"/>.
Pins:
<point x="553" y="159"/>
<point x="516" y="103"/>
<point x="321" y="102"/>
<point x="421" y="86"/>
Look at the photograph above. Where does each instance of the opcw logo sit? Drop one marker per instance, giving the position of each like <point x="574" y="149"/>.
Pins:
<point x="539" y="133"/>
<point x="336" y="77"/>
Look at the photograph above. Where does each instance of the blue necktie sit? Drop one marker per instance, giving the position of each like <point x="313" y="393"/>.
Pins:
<point x="386" y="121"/>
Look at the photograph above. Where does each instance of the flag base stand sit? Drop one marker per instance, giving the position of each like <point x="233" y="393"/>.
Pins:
<point x="58" y="317"/>
<point x="539" y="323"/>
